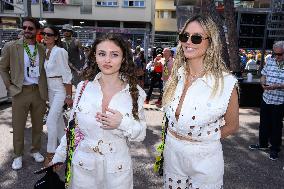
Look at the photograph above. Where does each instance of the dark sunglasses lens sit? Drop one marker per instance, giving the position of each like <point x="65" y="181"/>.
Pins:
<point x="183" y="37"/>
<point x="196" y="39"/>
<point x="29" y="28"/>
<point x="278" y="54"/>
<point x="47" y="34"/>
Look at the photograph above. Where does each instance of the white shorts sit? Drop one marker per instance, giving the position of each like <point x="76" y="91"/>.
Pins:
<point x="193" y="165"/>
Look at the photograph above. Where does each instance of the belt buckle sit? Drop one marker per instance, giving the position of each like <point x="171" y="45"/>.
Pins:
<point x="97" y="148"/>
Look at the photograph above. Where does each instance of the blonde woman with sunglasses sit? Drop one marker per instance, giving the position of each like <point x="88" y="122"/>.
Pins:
<point x="201" y="104"/>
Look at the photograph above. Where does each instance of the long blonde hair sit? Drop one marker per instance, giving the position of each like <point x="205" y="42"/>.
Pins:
<point x="213" y="62"/>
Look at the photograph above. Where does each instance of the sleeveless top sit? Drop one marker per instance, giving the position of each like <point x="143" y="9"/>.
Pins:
<point x="202" y="114"/>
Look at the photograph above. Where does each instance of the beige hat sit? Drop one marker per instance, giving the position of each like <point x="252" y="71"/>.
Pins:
<point x="67" y="27"/>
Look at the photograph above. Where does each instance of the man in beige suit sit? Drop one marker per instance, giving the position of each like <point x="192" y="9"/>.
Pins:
<point x="22" y="70"/>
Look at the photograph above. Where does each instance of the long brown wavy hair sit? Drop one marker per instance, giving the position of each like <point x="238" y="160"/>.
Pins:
<point x="127" y="69"/>
<point x="213" y="62"/>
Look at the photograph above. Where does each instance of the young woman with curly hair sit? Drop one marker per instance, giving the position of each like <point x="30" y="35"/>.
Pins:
<point x="201" y="104"/>
<point x="109" y="113"/>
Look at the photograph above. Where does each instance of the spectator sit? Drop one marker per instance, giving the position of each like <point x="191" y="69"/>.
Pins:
<point x="21" y="68"/>
<point x="251" y="64"/>
<point x="156" y="77"/>
<point x="272" y="105"/>
<point x="167" y="63"/>
<point x="59" y="88"/>
<point x="74" y="48"/>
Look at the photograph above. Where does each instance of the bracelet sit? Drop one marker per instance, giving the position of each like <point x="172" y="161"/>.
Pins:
<point x="69" y="96"/>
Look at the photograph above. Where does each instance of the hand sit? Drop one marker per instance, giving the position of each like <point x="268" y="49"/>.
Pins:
<point x="270" y="87"/>
<point x="69" y="102"/>
<point x="57" y="166"/>
<point x="109" y="121"/>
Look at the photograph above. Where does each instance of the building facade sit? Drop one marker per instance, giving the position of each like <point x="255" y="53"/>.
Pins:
<point x="90" y="18"/>
<point x="165" y="23"/>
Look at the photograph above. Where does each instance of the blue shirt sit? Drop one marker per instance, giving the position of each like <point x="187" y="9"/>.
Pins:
<point x="274" y="75"/>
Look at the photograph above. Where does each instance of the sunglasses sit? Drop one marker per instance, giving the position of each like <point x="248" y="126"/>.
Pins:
<point x="64" y="30"/>
<point x="195" y="38"/>
<point x="29" y="28"/>
<point x="277" y="54"/>
<point x="47" y="34"/>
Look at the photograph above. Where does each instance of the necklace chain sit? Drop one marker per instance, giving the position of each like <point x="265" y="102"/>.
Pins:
<point x="194" y="77"/>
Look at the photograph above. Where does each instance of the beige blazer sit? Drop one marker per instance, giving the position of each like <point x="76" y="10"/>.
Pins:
<point x="12" y="68"/>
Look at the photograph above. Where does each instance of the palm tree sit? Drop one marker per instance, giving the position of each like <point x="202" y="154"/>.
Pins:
<point x="229" y="14"/>
<point x="208" y="8"/>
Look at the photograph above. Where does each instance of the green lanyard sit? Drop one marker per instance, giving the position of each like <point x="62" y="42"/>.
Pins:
<point x="32" y="57"/>
<point x="166" y="70"/>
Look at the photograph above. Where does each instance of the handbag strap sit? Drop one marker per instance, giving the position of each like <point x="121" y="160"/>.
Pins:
<point x="79" y="96"/>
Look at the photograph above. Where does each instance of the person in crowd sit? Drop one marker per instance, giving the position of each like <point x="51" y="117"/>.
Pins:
<point x="156" y="77"/>
<point x="22" y="71"/>
<point x="74" y="48"/>
<point x="109" y="113"/>
<point x="201" y="105"/>
<point x="167" y="63"/>
<point x="140" y="62"/>
<point x="88" y="61"/>
<point x="251" y="64"/>
<point x="59" y="88"/>
<point x="272" y="105"/>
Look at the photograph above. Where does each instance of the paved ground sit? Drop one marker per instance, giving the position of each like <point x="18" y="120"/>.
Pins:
<point x="244" y="169"/>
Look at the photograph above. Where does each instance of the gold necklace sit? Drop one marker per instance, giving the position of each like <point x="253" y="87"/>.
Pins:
<point x="194" y="77"/>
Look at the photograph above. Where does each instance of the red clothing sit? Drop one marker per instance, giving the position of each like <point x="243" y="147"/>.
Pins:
<point x="158" y="68"/>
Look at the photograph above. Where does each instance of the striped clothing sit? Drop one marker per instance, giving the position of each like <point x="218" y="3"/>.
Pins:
<point x="274" y="75"/>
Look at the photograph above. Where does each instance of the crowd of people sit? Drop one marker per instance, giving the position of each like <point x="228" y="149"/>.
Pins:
<point x="197" y="93"/>
<point x="250" y="60"/>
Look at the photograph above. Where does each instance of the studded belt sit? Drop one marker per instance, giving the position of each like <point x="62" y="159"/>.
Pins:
<point x="101" y="147"/>
<point x="181" y="137"/>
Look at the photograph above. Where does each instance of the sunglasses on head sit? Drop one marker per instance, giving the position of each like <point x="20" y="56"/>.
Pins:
<point x="195" y="38"/>
<point x="47" y="34"/>
<point x="29" y="28"/>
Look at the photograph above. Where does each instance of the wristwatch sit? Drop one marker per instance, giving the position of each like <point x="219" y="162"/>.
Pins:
<point x="69" y="96"/>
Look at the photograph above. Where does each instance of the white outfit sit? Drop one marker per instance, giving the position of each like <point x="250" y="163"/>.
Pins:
<point x="102" y="159"/>
<point x="30" y="80"/>
<point x="56" y="66"/>
<point x="197" y="163"/>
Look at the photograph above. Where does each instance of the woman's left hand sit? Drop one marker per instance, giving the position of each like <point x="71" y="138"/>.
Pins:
<point x="69" y="102"/>
<point x="109" y="121"/>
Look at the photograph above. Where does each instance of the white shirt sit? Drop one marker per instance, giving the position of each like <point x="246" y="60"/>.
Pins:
<point x="30" y="80"/>
<point x="57" y="65"/>
<point x="201" y="115"/>
<point x="91" y="103"/>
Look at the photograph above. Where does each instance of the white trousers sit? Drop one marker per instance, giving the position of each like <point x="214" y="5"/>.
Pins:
<point x="193" y="165"/>
<point x="54" y="122"/>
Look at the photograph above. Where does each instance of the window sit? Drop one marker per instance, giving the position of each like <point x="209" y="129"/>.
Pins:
<point x="174" y="14"/>
<point x="86" y="7"/>
<point x="134" y="3"/>
<point x="47" y="6"/>
<point x="166" y="14"/>
<point x="7" y="5"/>
<point x="108" y="3"/>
